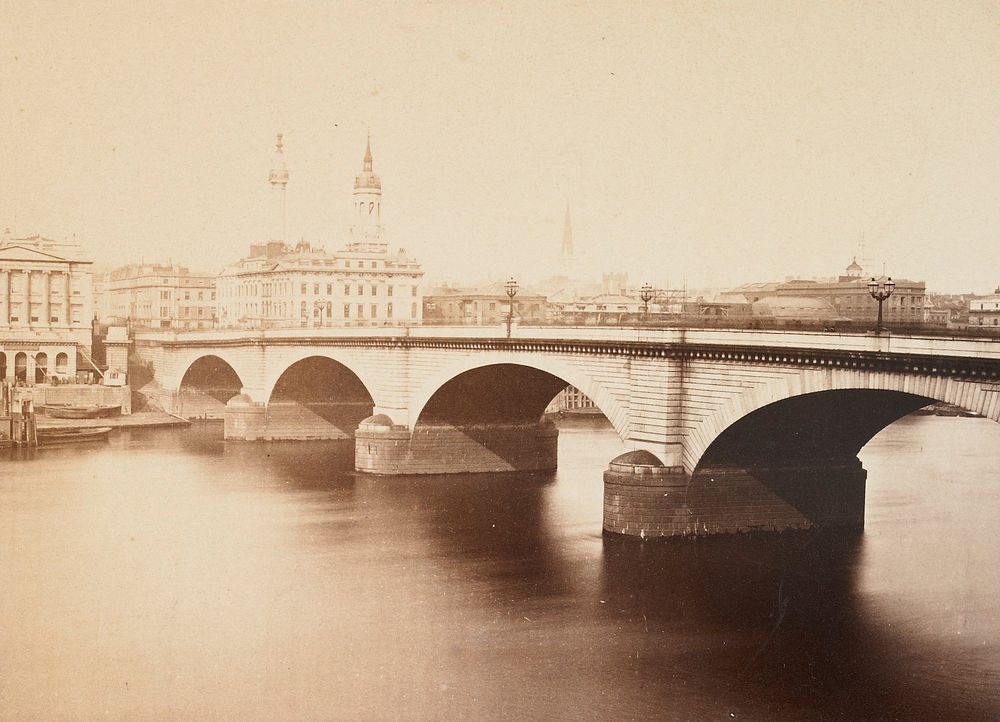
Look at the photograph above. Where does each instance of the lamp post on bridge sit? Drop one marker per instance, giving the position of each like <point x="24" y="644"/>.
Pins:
<point x="880" y="291"/>
<point x="645" y="293"/>
<point x="511" y="288"/>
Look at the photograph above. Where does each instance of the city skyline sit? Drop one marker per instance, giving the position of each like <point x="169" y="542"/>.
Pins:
<point x="695" y="146"/>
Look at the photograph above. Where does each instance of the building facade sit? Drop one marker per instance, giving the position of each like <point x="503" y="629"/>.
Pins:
<point x="363" y="284"/>
<point x="485" y="306"/>
<point x="45" y="310"/>
<point x="847" y="295"/>
<point x="984" y="312"/>
<point x="151" y="295"/>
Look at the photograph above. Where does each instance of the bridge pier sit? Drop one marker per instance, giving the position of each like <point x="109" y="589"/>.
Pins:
<point x="382" y="447"/>
<point x="644" y="498"/>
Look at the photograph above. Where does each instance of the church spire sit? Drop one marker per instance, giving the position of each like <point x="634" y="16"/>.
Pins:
<point x="368" y="154"/>
<point x="567" y="239"/>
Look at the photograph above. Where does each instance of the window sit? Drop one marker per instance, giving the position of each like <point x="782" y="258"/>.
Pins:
<point x="374" y="311"/>
<point x="213" y="295"/>
<point x="347" y="264"/>
<point x="187" y="295"/>
<point x="201" y="312"/>
<point x="413" y="310"/>
<point x="329" y="289"/>
<point x="304" y="287"/>
<point x="388" y="291"/>
<point x="388" y="310"/>
<point x="303" y="311"/>
<point x="361" y="310"/>
<point x="493" y="306"/>
<point x="361" y="290"/>
<point x="347" y="290"/>
<point x="347" y="310"/>
<point x="201" y="296"/>
<point x="374" y="290"/>
<point x="414" y="291"/>
<point x="164" y="311"/>
<point x="316" y="289"/>
<point x="164" y="295"/>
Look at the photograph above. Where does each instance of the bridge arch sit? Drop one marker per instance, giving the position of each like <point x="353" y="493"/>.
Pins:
<point x="345" y="360"/>
<point x="799" y="408"/>
<point x="206" y="384"/>
<point x="317" y="397"/>
<point x="560" y="369"/>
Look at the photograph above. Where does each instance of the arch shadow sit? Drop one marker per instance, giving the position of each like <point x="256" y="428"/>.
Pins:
<point x="316" y="394"/>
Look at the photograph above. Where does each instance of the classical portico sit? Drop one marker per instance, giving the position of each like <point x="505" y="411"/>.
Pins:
<point x="45" y="302"/>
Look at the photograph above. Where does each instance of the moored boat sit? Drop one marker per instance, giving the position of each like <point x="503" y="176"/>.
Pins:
<point x="55" y="436"/>
<point x="67" y="411"/>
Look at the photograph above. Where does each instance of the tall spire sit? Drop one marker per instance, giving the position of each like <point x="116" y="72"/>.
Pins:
<point x="368" y="154"/>
<point x="278" y="180"/>
<point x="567" y="239"/>
<point x="279" y="170"/>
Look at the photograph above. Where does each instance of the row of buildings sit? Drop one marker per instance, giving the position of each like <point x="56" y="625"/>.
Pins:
<point x="50" y="299"/>
<point x="277" y="283"/>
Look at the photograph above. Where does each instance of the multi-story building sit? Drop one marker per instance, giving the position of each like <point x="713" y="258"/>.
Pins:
<point x="484" y="306"/>
<point x="150" y="295"/>
<point x="985" y="311"/>
<point x="362" y="284"/>
<point x="847" y="295"/>
<point x="45" y="310"/>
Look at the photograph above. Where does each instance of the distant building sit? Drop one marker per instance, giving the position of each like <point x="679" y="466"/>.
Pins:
<point x="45" y="310"/>
<point x="985" y="311"/>
<point x="572" y="401"/>
<point x="151" y="295"/>
<point x="847" y="295"/>
<point x="279" y="284"/>
<point x="482" y="306"/>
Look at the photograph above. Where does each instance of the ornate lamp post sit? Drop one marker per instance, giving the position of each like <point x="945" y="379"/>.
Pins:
<point x="645" y="293"/>
<point x="511" y="288"/>
<point x="880" y="291"/>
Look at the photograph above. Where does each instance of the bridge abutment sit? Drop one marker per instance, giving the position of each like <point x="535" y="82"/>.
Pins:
<point x="382" y="447"/>
<point x="644" y="498"/>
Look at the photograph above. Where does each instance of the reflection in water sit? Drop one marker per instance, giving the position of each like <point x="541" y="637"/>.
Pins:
<point x="169" y="574"/>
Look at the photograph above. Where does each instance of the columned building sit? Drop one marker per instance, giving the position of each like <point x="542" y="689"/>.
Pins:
<point x="364" y="284"/>
<point x="45" y="309"/>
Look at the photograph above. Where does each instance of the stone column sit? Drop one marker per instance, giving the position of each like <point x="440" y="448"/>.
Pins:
<point x="6" y="297"/>
<point x="45" y="314"/>
<point x="67" y="291"/>
<point x="27" y="297"/>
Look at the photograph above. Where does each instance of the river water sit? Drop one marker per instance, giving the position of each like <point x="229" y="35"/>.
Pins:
<point x="170" y="575"/>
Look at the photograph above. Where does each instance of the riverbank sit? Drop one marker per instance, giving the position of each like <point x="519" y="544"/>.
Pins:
<point x="138" y="419"/>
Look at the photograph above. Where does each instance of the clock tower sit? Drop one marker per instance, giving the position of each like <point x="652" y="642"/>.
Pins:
<point x="367" y="232"/>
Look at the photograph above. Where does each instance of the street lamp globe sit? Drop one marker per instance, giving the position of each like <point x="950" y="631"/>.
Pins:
<point x="880" y="291"/>
<point x="511" y="288"/>
<point x="646" y="293"/>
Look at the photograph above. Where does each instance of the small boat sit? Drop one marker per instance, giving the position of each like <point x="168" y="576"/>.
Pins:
<point x="66" y="411"/>
<point x="55" y="436"/>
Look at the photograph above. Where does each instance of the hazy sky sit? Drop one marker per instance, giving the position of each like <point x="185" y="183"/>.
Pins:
<point x="715" y="143"/>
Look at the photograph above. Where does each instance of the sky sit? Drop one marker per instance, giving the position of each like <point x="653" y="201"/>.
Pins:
<point x="696" y="143"/>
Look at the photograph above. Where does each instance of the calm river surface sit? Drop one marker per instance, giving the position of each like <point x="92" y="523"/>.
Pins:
<point x="169" y="575"/>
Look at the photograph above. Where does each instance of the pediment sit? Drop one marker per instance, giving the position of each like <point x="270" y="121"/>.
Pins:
<point x="24" y="253"/>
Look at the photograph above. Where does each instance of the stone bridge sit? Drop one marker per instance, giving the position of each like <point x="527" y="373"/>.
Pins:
<point x="730" y="430"/>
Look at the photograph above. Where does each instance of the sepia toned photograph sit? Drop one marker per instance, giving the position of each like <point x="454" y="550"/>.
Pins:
<point x="487" y="360"/>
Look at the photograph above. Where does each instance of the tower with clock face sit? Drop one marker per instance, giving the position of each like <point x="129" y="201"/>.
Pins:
<point x="367" y="232"/>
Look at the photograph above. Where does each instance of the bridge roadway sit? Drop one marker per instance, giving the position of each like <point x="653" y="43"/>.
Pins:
<point x="730" y="430"/>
